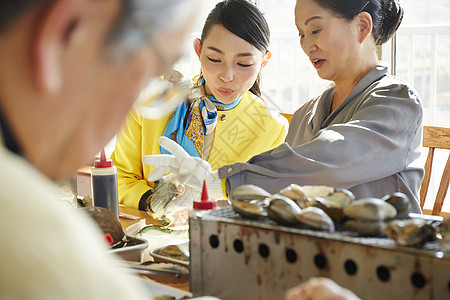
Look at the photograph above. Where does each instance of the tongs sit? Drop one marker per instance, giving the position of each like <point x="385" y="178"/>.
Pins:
<point x="161" y="269"/>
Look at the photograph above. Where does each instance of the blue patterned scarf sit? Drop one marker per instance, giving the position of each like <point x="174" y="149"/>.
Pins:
<point x="193" y="119"/>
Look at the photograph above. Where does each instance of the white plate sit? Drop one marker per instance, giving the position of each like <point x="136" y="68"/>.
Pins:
<point x="163" y="258"/>
<point x="159" y="289"/>
<point x="133" y="252"/>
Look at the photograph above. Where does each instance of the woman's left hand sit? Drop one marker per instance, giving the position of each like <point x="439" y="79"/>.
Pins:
<point x="188" y="170"/>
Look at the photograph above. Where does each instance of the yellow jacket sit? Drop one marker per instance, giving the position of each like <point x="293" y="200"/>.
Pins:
<point x="240" y="133"/>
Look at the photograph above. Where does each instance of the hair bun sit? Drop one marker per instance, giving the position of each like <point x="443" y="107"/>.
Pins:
<point x="392" y="16"/>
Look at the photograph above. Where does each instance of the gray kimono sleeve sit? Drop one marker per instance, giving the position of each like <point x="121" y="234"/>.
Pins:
<point x="381" y="138"/>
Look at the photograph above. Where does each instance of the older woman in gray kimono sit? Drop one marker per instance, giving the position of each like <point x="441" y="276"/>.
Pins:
<point x="364" y="132"/>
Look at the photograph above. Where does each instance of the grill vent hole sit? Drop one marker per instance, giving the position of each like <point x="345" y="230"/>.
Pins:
<point x="418" y="280"/>
<point x="214" y="241"/>
<point x="320" y="261"/>
<point x="291" y="256"/>
<point x="383" y="273"/>
<point x="350" y="267"/>
<point x="238" y="246"/>
<point x="264" y="250"/>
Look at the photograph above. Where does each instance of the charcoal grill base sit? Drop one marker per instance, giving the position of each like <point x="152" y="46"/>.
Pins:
<point x="234" y="258"/>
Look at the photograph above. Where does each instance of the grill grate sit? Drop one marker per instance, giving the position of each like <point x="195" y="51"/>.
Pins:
<point x="341" y="233"/>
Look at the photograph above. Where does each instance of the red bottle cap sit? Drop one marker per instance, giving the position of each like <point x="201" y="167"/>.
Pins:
<point x="103" y="162"/>
<point x="109" y="239"/>
<point x="205" y="203"/>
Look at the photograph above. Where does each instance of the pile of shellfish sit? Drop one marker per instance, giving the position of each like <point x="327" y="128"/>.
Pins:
<point x="326" y="208"/>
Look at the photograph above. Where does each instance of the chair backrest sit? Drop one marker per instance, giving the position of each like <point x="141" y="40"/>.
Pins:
<point x="435" y="138"/>
<point x="287" y="116"/>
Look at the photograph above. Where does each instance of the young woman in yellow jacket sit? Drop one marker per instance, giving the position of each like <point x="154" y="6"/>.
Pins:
<point x="225" y="122"/>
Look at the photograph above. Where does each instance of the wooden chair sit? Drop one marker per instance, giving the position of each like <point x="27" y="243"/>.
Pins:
<point x="435" y="138"/>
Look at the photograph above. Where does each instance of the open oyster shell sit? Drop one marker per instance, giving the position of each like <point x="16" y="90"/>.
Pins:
<point x="410" y="232"/>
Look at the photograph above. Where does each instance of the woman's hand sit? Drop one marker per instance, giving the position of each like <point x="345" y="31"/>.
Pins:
<point x="189" y="171"/>
<point x="319" y="289"/>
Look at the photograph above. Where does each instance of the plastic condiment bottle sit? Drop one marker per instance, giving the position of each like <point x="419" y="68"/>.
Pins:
<point x="104" y="184"/>
<point x="205" y="202"/>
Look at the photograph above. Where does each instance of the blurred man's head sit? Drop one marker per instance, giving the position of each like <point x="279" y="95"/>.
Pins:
<point x="71" y="69"/>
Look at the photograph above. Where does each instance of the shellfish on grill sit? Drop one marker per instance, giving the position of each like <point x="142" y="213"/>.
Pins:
<point x="368" y="216"/>
<point x="251" y="209"/>
<point x="296" y="193"/>
<point x="370" y="209"/>
<point x="283" y="210"/>
<point x="401" y="203"/>
<point x="444" y="230"/>
<point x="313" y="191"/>
<point x="410" y="232"/>
<point x="365" y="228"/>
<point x="315" y="218"/>
<point x="249" y="192"/>
<point x="334" y="203"/>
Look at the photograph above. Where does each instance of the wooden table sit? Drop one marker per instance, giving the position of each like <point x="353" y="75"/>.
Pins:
<point x="182" y="284"/>
<point x="135" y="212"/>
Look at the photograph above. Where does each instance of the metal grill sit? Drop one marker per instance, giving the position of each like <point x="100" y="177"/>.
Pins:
<point x="235" y="258"/>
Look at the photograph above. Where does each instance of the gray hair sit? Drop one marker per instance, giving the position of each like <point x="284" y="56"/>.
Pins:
<point x="143" y="20"/>
<point x="139" y="21"/>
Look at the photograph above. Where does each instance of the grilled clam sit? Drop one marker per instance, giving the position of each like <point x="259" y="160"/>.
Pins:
<point x="370" y="209"/>
<point x="410" y="232"/>
<point x="369" y="215"/>
<point x="341" y="196"/>
<point x="444" y="230"/>
<point x="313" y="191"/>
<point x="315" y="218"/>
<point x="401" y="203"/>
<point x="250" y="209"/>
<point x="296" y="193"/>
<point x="334" y="203"/>
<point x="365" y="228"/>
<point x="249" y="192"/>
<point x="283" y="210"/>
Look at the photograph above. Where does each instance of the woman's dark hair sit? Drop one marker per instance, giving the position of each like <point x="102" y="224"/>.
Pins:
<point x="245" y="20"/>
<point x="386" y="14"/>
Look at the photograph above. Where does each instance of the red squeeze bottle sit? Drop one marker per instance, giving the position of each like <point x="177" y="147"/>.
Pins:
<point x="205" y="202"/>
